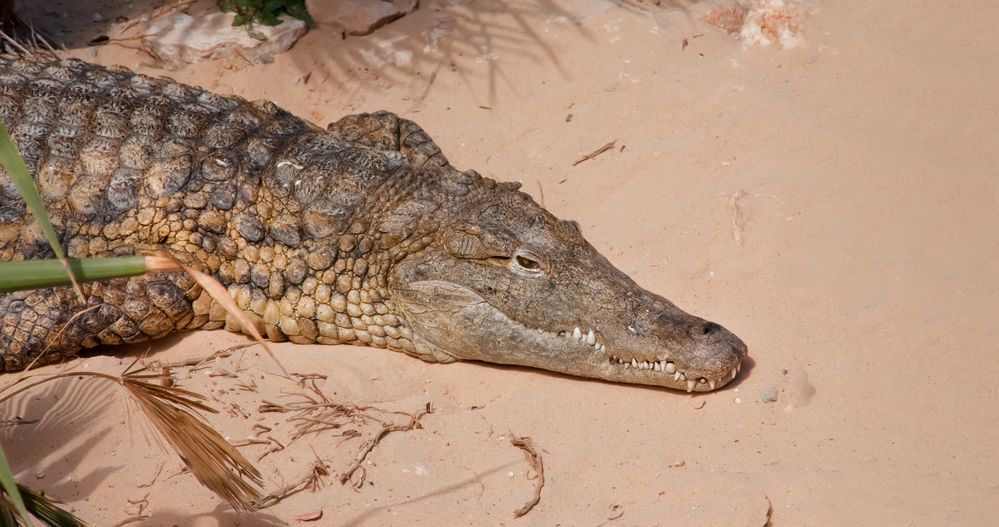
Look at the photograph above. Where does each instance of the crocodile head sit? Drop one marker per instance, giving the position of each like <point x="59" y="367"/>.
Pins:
<point x="509" y="283"/>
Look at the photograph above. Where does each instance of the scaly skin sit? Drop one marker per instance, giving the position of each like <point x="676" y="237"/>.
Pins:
<point x="360" y="234"/>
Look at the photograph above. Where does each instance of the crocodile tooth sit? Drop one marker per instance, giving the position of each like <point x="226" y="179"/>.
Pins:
<point x="591" y="339"/>
<point x="676" y="376"/>
<point x="690" y="386"/>
<point x="669" y="367"/>
<point x="620" y="360"/>
<point x="645" y="364"/>
<point x="634" y="363"/>
<point x="658" y="366"/>
<point x="735" y="371"/>
<point x="711" y="384"/>
<point x="577" y="334"/>
<point x="601" y="348"/>
<point x="683" y="377"/>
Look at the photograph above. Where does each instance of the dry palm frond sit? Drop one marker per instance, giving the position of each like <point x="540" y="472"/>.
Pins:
<point x="173" y="413"/>
<point x="212" y="460"/>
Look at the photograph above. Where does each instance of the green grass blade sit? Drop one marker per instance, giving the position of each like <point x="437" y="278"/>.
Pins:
<point x="11" y="489"/>
<point x="6" y="517"/>
<point x="21" y="177"/>
<point x="36" y="274"/>
<point x="49" y="513"/>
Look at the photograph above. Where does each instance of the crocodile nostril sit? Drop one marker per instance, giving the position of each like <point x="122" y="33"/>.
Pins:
<point x="709" y="329"/>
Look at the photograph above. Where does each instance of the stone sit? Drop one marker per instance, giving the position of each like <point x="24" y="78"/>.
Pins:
<point x="181" y="39"/>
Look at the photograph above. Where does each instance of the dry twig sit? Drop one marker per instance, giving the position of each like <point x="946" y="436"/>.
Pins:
<point x="316" y="413"/>
<point x="311" y="481"/>
<point x="767" y="519"/>
<point x="537" y="463"/>
<point x="132" y="519"/>
<point x="596" y="152"/>
<point x="198" y="363"/>
<point x="369" y="445"/>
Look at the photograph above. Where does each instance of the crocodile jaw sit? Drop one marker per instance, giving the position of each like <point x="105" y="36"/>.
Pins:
<point x="453" y="321"/>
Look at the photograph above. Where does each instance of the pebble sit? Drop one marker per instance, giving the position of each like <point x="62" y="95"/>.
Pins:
<point x="698" y="405"/>
<point x="769" y="396"/>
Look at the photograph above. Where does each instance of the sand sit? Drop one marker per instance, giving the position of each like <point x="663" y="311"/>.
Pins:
<point x="835" y="205"/>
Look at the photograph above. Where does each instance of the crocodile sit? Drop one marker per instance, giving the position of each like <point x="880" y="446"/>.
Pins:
<point x="360" y="233"/>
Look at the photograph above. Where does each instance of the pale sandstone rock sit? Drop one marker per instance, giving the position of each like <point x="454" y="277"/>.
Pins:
<point x="181" y="39"/>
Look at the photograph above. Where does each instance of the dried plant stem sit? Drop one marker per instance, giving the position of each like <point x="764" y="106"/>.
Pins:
<point x="218" y="292"/>
<point x="596" y="152"/>
<point x="537" y="463"/>
<point x="311" y="481"/>
<point x="47" y="378"/>
<point x="369" y="445"/>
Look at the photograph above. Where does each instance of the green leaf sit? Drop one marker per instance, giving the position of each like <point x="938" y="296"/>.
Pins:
<point x="36" y="274"/>
<point x="21" y="177"/>
<point x="299" y="11"/>
<point x="46" y="511"/>
<point x="6" y="517"/>
<point x="11" y="489"/>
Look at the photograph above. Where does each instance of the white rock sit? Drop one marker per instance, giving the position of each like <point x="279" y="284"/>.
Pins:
<point x="181" y="39"/>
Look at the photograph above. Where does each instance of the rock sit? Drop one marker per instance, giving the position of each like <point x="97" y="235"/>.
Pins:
<point x="181" y="39"/>
<point x="769" y="396"/>
<point x="358" y="17"/>
<point x="729" y="18"/>
<point x="760" y="22"/>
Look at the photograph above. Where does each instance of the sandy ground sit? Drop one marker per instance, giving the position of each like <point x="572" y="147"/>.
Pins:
<point x="833" y="205"/>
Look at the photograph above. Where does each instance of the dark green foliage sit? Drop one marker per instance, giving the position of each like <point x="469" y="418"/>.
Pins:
<point x="51" y="515"/>
<point x="264" y="12"/>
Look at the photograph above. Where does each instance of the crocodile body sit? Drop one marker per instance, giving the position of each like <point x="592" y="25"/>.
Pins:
<point x="362" y="233"/>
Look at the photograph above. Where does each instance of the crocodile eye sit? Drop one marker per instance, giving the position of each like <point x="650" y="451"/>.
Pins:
<point x="526" y="263"/>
